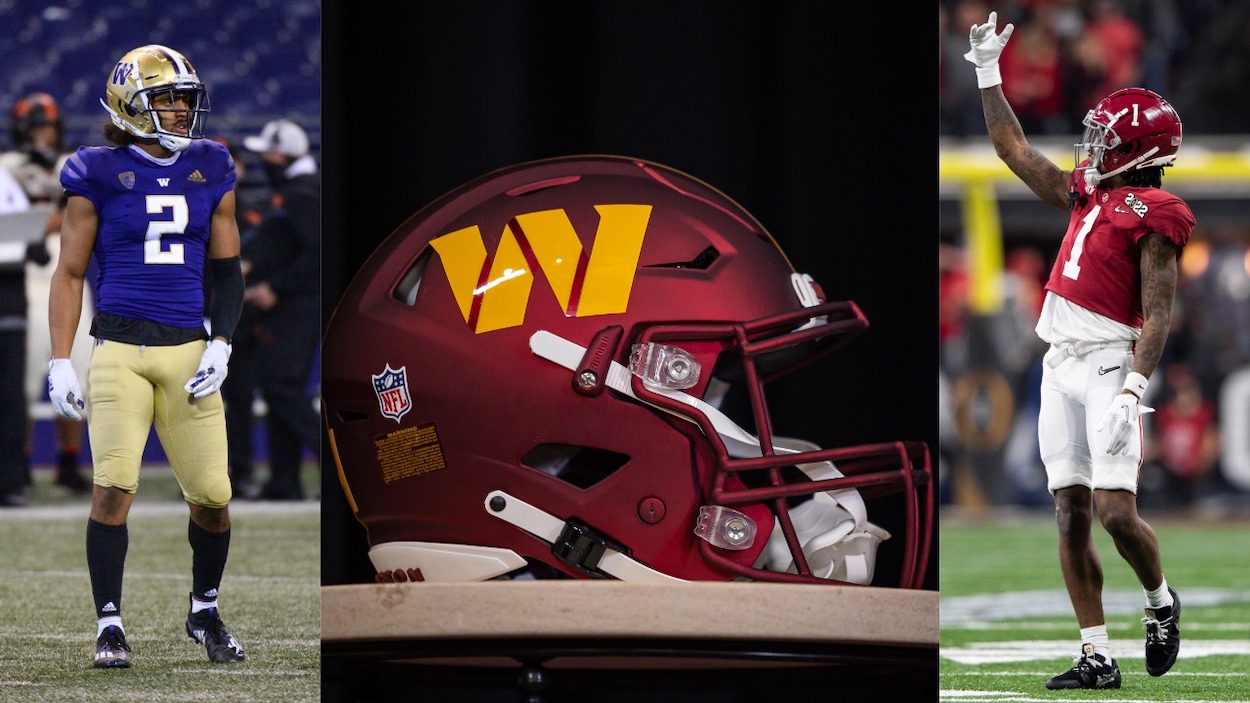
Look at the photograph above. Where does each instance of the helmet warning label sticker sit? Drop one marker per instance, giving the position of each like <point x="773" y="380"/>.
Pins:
<point x="410" y="451"/>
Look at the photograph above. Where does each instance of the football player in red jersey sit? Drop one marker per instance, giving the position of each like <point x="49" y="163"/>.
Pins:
<point x="1106" y="315"/>
<point x="156" y="210"/>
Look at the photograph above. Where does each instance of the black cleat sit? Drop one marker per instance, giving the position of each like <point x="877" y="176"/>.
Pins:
<point x="1163" y="636"/>
<point x="207" y="628"/>
<point x="111" y="650"/>
<point x="1091" y="671"/>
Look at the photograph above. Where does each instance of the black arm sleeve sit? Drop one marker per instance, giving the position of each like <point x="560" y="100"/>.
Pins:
<point x="227" y="301"/>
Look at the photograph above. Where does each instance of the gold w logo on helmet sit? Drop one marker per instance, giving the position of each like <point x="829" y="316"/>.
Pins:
<point x="493" y="290"/>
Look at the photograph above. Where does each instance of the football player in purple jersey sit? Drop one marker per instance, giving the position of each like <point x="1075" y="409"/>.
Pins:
<point x="1106" y="315"/>
<point x="157" y="211"/>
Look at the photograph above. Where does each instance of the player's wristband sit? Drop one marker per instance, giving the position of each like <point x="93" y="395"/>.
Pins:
<point x="988" y="76"/>
<point x="1135" y="383"/>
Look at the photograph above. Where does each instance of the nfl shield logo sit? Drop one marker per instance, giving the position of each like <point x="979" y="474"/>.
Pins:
<point x="391" y="387"/>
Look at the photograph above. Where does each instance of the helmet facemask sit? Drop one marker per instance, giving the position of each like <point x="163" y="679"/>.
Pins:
<point x="1098" y="138"/>
<point x="812" y="500"/>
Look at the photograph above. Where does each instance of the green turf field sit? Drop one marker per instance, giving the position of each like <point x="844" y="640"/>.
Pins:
<point x="1007" y="624"/>
<point x="270" y="602"/>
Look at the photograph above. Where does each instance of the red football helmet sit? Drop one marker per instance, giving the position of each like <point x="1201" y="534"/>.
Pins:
<point x="1132" y="128"/>
<point x="530" y="376"/>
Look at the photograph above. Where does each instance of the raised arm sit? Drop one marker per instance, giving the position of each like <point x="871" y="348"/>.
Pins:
<point x="1040" y="174"/>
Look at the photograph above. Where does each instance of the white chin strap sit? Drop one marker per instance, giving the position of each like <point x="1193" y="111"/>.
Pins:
<point x="174" y="143"/>
<point x="464" y="562"/>
<point x="837" y="540"/>
<point x="1092" y="176"/>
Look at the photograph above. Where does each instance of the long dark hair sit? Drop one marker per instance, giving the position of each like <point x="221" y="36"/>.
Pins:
<point x="1151" y="177"/>
<point x="117" y="135"/>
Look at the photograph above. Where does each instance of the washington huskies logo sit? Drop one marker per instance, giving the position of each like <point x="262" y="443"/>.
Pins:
<point x="391" y="387"/>
<point x="493" y="289"/>
<point x="122" y="71"/>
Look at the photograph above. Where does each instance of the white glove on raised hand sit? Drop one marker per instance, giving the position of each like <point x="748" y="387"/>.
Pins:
<point x="1120" y="421"/>
<point x="63" y="389"/>
<point x="986" y="48"/>
<point x="212" y="373"/>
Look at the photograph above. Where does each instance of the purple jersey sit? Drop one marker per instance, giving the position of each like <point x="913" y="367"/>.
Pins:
<point x="1098" y="262"/>
<point x="154" y="225"/>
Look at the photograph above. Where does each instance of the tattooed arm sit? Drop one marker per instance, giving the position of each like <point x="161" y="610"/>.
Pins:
<point x="1040" y="174"/>
<point x="1158" y="288"/>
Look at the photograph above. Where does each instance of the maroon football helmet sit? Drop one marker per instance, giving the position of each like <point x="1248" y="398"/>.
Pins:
<point x="1132" y="128"/>
<point x="528" y="376"/>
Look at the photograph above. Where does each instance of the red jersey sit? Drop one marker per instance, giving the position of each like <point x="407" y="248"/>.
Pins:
<point x="1098" y="263"/>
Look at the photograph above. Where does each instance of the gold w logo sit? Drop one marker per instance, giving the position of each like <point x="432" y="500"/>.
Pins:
<point x="493" y="291"/>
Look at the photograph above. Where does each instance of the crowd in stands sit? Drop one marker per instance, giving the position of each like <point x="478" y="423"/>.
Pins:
<point x="1065" y="54"/>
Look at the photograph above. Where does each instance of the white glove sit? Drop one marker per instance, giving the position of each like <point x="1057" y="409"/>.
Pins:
<point x="63" y="389"/>
<point x="986" y="48"/>
<point x="1120" y="421"/>
<point x="212" y="373"/>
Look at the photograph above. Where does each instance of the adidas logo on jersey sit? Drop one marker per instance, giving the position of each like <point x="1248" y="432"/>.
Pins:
<point x="196" y="177"/>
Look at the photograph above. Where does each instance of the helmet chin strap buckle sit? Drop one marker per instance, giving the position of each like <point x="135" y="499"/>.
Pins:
<point x="582" y="548"/>
<point x="572" y="542"/>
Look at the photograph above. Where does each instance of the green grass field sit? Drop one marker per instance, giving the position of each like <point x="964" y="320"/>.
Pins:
<point x="1007" y="624"/>
<point x="270" y="600"/>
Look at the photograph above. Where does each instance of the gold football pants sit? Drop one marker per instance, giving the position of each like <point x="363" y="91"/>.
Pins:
<point x="131" y="388"/>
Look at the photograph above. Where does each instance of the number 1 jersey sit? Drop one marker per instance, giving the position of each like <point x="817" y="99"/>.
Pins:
<point x="1098" y="266"/>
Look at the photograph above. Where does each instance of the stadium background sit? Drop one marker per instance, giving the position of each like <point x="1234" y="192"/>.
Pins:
<point x="1006" y="622"/>
<point x="260" y="60"/>
<point x="997" y="242"/>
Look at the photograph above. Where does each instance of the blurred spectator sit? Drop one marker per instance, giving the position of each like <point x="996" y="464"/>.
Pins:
<point x="1212" y="81"/>
<point x="953" y="308"/>
<point x="37" y="130"/>
<point x="1032" y="66"/>
<point x="1104" y="57"/>
<point x="282" y="268"/>
<point x="239" y="391"/>
<point x="1215" y="298"/>
<point x="1162" y="35"/>
<point x="960" y="100"/>
<point x="14" y="469"/>
<point x="1185" y="440"/>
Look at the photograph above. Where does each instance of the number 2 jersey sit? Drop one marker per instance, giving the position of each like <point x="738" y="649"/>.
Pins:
<point x="155" y="217"/>
<point x="1098" y="267"/>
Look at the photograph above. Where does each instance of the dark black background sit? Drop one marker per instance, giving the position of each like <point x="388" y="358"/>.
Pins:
<point x="818" y="117"/>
